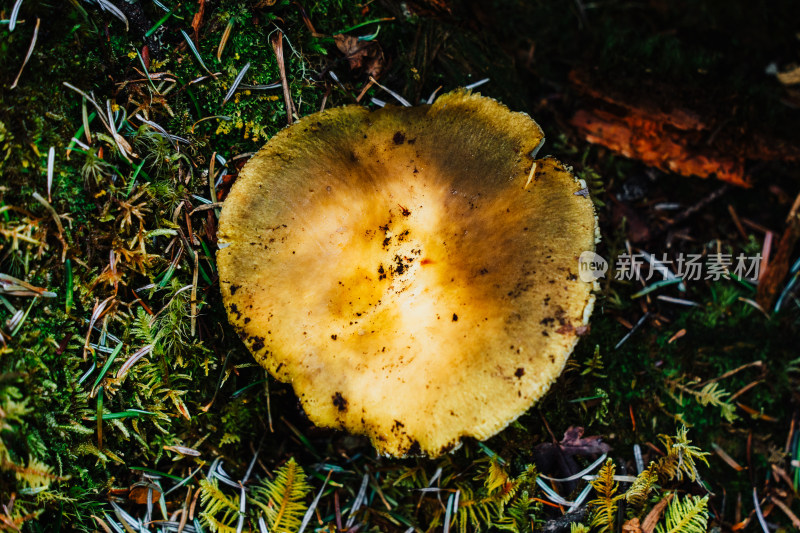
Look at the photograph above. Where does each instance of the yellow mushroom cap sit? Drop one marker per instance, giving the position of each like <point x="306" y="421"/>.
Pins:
<point x="413" y="272"/>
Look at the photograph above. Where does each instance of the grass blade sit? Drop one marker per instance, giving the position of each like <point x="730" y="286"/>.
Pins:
<point x="105" y="5"/>
<point x="130" y="413"/>
<point x="87" y="120"/>
<point x="51" y="156"/>
<point x="133" y="359"/>
<point x="106" y="366"/>
<point x="224" y="40"/>
<point x="28" y="55"/>
<point x="146" y="72"/>
<point x="68" y="277"/>
<point x="158" y="24"/>
<point x="657" y="285"/>
<point x="12" y="23"/>
<point x="236" y="83"/>
<point x="194" y="50"/>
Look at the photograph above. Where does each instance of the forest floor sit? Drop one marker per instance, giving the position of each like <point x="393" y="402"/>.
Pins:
<point x="127" y="402"/>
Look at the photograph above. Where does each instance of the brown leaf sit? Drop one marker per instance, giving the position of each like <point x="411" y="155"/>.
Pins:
<point x="790" y="76"/>
<point x="146" y="56"/>
<point x="197" y="21"/>
<point x="632" y="526"/>
<point x="138" y="494"/>
<point x="366" y="55"/>
<point x="573" y="443"/>
<point x="654" y="515"/>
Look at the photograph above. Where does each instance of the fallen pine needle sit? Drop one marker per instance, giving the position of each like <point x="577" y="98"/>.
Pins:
<point x="730" y="461"/>
<point x="28" y="55"/>
<point x="788" y="512"/>
<point x="678" y="334"/>
<point x="277" y="47"/>
<point x="39" y="198"/>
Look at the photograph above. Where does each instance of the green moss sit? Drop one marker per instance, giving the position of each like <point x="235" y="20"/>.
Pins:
<point x="195" y="387"/>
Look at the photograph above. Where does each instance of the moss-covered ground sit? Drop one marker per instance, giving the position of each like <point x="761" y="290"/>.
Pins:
<point x="127" y="403"/>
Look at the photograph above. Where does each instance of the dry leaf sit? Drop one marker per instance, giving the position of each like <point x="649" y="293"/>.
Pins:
<point x="573" y="443"/>
<point x="138" y="494"/>
<point x="790" y="76"/>
<point x="197" y="20"/>
<point x="632" y="526"/>
<point x="654" y="515"/>
<point x="366" y="55"/>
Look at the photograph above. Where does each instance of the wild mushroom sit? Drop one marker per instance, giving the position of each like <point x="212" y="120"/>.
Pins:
<point x="411" y="271"/>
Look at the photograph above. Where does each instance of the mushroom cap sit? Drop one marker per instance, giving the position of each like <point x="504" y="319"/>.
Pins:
<point x="413" y="272"/>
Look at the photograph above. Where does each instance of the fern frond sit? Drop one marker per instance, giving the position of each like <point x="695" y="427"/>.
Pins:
<point x="283" y="499"/>
<point x="681" y="458"/>
<point x="218" y="526"/>
<point x="640" y="490"/>
<point x="499" y="485"/>
<point x="605" y="505"/>
<point x="576" y="527"/>
<point x="220" y="511"/>
<point x="36" y="474"/>
<point x="689" y="515"/>
<point x="519" y="512"/>
<point x="12" y="410"/>
<point x="496" y="476"/>
<point x="142" y="327"/>
<point x="474" y="510"/>
<point x="711" y="394"/>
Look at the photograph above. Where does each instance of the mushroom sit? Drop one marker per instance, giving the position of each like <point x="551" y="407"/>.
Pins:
<point x="413" y="272"/>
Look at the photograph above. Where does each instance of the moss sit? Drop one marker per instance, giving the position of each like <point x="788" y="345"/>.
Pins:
<point x="197" y="388"/>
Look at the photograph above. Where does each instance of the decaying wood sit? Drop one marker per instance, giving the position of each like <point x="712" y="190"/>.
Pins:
<point x="668" y="136"/>
<point x="771" y="280"/>
<point x="639" y="137"/>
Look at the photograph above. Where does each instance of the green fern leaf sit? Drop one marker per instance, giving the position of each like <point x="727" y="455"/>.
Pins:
<point x="283" y="499"/>
<point x="519" y="512"/>
<point x="220" y="511"/>
<point x="689" y="515"/>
